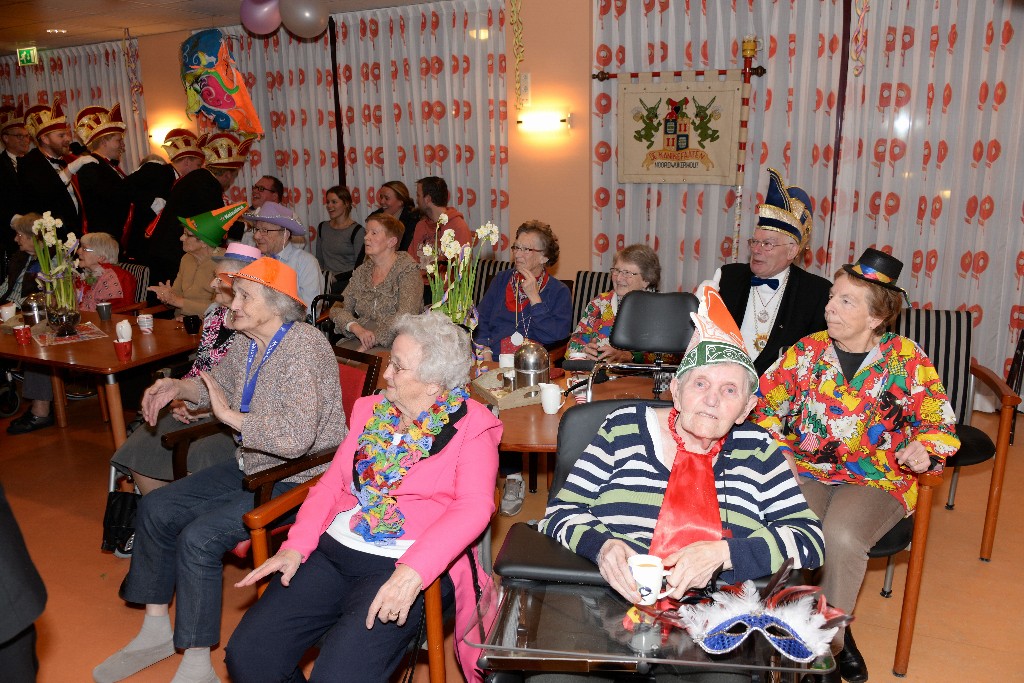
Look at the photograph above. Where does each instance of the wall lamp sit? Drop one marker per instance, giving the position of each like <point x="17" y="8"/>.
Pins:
<point x="543" y="122"/>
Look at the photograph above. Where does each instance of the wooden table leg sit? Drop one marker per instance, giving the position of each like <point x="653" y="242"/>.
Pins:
<point x="60" y="409"/>
<point x="103" y="402"/>
<point x="116" y="411"/>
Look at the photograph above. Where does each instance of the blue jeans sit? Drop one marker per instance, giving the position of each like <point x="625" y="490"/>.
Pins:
<point x="328" y="599"/>
<point x="181" y="534"/>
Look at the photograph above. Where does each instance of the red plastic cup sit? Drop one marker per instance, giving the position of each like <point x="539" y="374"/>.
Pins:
<point x="123" y="349"/>
<point x="23" y="334"/>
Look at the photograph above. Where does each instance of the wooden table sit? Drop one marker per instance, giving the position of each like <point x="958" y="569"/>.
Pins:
<point x="97" y="357"/>
<point x="530" y="430"/>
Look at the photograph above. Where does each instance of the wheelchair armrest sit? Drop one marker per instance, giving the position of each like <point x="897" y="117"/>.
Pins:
<point x="178" y="442"/>
<point x="529" y="554"/>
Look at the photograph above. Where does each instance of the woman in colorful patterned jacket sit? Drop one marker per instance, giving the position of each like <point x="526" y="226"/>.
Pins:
<point x="635" y="268"/>
<point x="404" y="498"/>
<point x="864" y="412"/>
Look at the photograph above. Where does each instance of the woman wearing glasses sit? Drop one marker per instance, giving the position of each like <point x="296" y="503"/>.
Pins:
<point x="522" y="303"/>
<point x="635" y="268"/>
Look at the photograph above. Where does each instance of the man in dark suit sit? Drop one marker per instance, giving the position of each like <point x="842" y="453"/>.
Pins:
<point x="150" y="185"/>
<point x="16" y="143"/>
<point x="44" y="175"/>
<point x="774" y="301"/>
<point x="199" y="191"/>
<point x="105" y="202"/>
<point x="22" y="599"/>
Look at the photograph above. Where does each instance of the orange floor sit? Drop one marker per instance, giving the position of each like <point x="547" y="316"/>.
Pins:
<point x="969" y="622"/>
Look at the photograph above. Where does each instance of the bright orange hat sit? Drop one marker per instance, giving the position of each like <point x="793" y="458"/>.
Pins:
<point x="274" y="274"/>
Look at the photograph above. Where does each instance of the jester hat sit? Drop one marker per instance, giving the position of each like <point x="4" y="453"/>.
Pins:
<point x="212" y="226"/>
<point x="786" y="210"/>
<point x="716" y="338"/>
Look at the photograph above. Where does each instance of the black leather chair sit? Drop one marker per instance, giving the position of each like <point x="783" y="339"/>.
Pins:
<point x="650" y="322"/>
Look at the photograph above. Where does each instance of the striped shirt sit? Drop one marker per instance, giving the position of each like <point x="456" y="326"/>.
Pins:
<point x="616" y="488"/>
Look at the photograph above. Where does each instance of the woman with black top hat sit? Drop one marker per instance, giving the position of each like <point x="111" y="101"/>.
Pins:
<point x="864" y="412"/>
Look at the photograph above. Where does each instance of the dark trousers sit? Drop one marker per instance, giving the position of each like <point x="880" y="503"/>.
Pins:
<point x="182" y="531"/>
<point x="18" y="662"/>
<point x="328" y="599"/>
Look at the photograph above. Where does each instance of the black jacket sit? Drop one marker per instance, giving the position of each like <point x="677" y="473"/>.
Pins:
<point x="22" y="593"/>
<point x="801" y="311"/>
<point x="43" y="190"/>
<point x="104" y="197"/>
<point x="151" y="180"/>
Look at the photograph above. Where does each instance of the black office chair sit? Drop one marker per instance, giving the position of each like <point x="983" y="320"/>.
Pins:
<point x="650" y="322"/>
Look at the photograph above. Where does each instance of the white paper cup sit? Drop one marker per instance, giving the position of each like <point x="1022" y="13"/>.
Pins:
<point x="649" y="574"/>
<point x="551" y="398"/>
<point x="8" y="311"/>
<point x="145" y="322"/>
<point x="506" y="360"/>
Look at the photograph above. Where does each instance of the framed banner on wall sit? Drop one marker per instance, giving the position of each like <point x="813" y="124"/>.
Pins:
<point x="684" y="131"/>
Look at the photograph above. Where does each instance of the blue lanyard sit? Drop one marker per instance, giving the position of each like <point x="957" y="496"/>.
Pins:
<point x="250" y="383"/>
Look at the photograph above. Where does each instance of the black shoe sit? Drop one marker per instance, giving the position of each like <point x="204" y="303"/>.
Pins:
<point x="851" y="663"/>
<point x="29" y="423"/>
<point x="831" y="677"/>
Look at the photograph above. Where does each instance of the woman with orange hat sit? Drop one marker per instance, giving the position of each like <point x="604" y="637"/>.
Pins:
<point x="278" y="391"/>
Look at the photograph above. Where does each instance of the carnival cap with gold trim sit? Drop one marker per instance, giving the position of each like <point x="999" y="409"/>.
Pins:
<point x="42" y="119"/>
<point x="717" y="338"/>
<point x="224" y="150"/>
<point x="878" y="268"/>
<point x="270" y="273"/>
<point x="211" y="227"/>
<point x="95" y="121"/>
<point x="11" y="117"/>
<point x="786" y="210"/>
<point x="180" y="143"/>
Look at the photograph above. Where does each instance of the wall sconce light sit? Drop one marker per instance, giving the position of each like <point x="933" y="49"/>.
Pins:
<point x="544" y="122"/>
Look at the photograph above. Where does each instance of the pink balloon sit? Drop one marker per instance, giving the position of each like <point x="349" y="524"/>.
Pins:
<point x="260" y="17"/>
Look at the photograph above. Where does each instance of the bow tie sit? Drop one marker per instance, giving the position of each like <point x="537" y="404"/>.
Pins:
<point x="60" y="163"/>
<point x="772" y="282"/>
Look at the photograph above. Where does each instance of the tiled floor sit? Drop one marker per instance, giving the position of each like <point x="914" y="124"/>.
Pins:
<point x="969" y="622"/>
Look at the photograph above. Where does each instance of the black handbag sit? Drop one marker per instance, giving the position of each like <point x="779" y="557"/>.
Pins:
<point x="119" y="519"/>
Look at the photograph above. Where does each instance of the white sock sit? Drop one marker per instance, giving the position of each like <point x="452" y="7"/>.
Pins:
<point x="155" y="631"/>
<point x="195" y="667"/>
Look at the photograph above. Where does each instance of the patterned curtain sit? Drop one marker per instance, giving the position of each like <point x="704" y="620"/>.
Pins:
<point x="78" y="77"/>
<point x="422" y="93"/>
<point x="928" y="160"/>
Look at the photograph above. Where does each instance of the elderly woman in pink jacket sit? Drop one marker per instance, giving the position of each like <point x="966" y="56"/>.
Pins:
<point x="401" y="503"/>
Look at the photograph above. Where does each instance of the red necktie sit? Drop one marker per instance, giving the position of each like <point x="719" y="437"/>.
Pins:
<point x="689" y="512"/>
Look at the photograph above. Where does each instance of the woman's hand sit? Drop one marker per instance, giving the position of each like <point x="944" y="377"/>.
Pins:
<point x="162" y="392"/>
<point x="165" y="292"/>
<point x="612" y="562"/>
<point x="694" y="565"/>
<point x="915" y="458"/>
<point x="219" y="403"/>
<point x="286" y="561"/>
<point x="395" y="597"/>
<point x="529" y="285"/>
<point x="367" y="339"/>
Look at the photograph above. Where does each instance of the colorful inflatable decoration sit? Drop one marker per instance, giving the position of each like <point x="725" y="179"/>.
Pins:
<point x="215" y="88"/>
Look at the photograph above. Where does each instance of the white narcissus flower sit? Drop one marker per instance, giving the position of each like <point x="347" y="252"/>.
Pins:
<point x="467" y="253"/>
<point x="428" y="250"/>
<point x="451" y="249"/>
<point x="58" y="223"/>
<point x="50" y="239"/>
<point x="430" y="269"/>
<point x="442" y="219"/>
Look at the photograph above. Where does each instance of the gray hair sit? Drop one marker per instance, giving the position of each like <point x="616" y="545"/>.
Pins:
<point x="232" y="265"/>
<point x="288" y="308"/>
<point x="103" y="244"/>
<point x="24" y="224"/>
<point x="644" y="258"/>
<point x="445" y="348"/>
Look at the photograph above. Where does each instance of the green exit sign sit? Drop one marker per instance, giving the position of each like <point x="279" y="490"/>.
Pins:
<point x="27" y="56"/>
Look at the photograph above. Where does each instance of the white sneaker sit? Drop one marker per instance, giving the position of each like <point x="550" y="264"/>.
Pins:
<point x="512" y="498"/>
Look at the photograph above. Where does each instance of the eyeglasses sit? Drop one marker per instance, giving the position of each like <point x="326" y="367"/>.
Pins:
<point x="764" y="244"/>
<point x="521" y="248"/>
<point x="393" y="364"/>
<point x="88" y="249"/>
<point x="263" y="231"/>
<point x="20" y="136"/>
<point x="626" y="273"/>
<point x="260" y="188"/>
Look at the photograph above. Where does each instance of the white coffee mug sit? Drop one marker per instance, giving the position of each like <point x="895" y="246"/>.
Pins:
<point x="551" y="398"/>
<point x="506" y="360"/>
<point x="8" y="311"/>
<point x="649" y="573"/>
